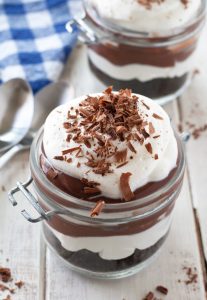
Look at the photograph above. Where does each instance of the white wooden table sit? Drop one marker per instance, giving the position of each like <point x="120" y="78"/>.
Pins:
<point x="46" y="277"/>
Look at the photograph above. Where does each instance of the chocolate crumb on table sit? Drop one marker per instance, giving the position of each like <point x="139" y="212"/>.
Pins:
<point x="192" y="276"/>
<point x="193" y="129"/>
<point x="3" y="189"/>
<point x="19" y="284"/>
<point x="196" y="133"/>
<point x="162" y="289"/>
<point x="5" y="274"/>
<point x="6" y="277"/>
<point x="149" y="296"/>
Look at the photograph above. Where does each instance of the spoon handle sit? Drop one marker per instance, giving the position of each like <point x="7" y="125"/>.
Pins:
<point x="10" y="153"/>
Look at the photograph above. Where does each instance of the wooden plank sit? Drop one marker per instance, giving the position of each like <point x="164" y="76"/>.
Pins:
<point x="19" y="240"/>
<point x="193" y="106"/>
<point x="180" y="250"/>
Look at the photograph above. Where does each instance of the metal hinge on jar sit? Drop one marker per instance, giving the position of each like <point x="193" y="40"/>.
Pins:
<point x="23" y="188"/>
<point x="86" y="34"/>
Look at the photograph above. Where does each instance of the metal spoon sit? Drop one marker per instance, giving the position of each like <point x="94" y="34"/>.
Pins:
<point x="17" y="106"/>
<point x="46" y="100"/>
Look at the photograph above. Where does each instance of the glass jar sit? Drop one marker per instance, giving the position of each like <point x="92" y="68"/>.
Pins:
<point x="119" y="242"/>
<point x="158" y="65"/>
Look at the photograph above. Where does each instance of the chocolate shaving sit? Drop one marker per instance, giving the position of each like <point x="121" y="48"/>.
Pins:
<point x="69" y="136"/>
<point x="125" y="187"/>
<point x="72" y="116"/>
<point x="111" y="131"/>
<point x="99" y="138"/>
<point x="59" y="157"/>
<point x="5" y="274"/>
<point x="84" y="112"/>
<point x="156" y="157"/>
<point x="185" y="3"/>
<point x="19" y="284"/>
<point x="145" y="134"/>
<point x="131" y="147"/>
<point x="67" y="151"/>
<point x="149" y="296"/>
<point x="156" y="136"/>
<point x="139" y="138"/>
<point x="149" y="148"/>
<point x="108" y="90"/>
<point x="121" y="165"/>
<point x="47" y="168"/>
<point x="121" y="129"/>
<point x="66" y="125"/>
<point x="97" y="209"/>
<point x="79" y="153"/>
<point x="157" y="116"/>
<point x="120" y="156"/>
<point x="151" y="128"/>
<point x="89" y="183"/>
<point x="91" y="190"/>
<point x="147" y="107"/>
<point x="162" y="289"/>
<point x="87" y="143"/>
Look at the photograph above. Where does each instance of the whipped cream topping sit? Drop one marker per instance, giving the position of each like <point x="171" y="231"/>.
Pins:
<point x="160" y="15"/>
<point x="151" y="160"/>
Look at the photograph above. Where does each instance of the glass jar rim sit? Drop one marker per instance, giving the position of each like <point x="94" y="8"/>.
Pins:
<point x="146" y="38"/>
<point x="147" y="200"/>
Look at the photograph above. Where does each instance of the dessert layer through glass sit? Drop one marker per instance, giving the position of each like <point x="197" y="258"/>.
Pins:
<point x="119" y="238"/>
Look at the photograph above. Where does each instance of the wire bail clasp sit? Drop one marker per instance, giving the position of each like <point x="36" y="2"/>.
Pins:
<point x="22" y="187"/>
<point x="86" y="34"/>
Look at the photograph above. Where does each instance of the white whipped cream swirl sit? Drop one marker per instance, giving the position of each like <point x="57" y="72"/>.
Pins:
<point x="168" y="15"/>
<point x="143" y="167"/>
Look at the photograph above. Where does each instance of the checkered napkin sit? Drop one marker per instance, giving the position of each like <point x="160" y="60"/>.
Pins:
<point x="34" y="44"/>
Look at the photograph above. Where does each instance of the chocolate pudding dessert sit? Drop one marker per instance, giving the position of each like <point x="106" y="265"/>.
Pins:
<point x="111" y="167"/>
<point x="148" y="46"/>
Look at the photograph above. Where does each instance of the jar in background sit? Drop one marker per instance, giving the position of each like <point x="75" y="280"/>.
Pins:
<point x="157" y="63"/>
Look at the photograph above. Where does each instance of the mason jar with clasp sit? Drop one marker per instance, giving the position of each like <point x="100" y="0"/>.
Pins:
<point x="119" y="242"/>
<point x="156" y="62"/>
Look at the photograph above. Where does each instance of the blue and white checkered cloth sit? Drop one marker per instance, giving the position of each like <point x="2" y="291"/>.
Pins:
<point x="34" y="44"/>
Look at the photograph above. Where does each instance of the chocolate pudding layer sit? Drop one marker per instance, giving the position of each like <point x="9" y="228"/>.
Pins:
<point x="90" y="261"/>
<point x="122" y="54"/>
<point x="76" y="187"/>
<point x="155" y="89"/>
